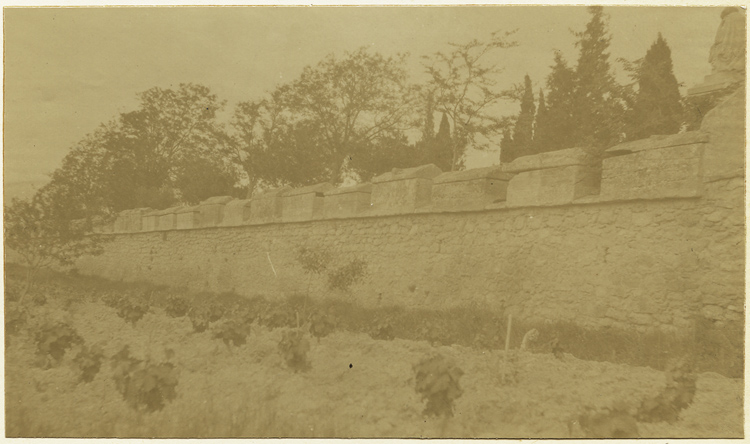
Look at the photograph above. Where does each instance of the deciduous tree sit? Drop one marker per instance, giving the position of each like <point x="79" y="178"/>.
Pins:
<point x="465" y="89"/>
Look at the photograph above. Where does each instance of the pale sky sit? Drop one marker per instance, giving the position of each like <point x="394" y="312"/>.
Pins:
<point x="69" y="69"/>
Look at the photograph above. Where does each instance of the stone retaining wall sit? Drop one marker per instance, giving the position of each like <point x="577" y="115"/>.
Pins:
<point x="651" y="236"/>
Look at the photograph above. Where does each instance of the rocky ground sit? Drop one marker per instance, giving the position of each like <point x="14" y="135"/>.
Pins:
<point x="356" y="387"/>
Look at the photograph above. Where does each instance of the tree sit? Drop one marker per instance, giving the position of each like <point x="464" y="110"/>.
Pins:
<point x="40" y="236"/>
<point x="507" y="152"/>
<point x="199" y="178"/>
<point x="658" y="104"/>
<point x="465" y="90"/>
<point x="332" y="114"/>
<point x="135" y="159"/>
<point x="542" y="136"/>
<point x="442" y="149"/>
<point x="523" y="132"/>
<point x="598" y="109"/>
<point x="561" y="85"/>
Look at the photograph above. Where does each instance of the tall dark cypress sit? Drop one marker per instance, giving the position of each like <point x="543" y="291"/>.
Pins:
<point x="442" y="146"/>
<point x="524" y="129"/>
<point x="597" y="113"/>
<point x="658" y="104"/>
<point x="559" y="103"/>
<point x="542" y="135"/>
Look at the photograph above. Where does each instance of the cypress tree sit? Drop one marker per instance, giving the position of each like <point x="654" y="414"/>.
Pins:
<point x="597" y="113"/>
<point x="506" y="147"/>
<point x="542" y="136"/>
<point x="442" y="147"/>
<point x="559" y="103"/>
<point x="524" y="129"/>
<point x="428" y="132"/>
<point x="658" y="104"/>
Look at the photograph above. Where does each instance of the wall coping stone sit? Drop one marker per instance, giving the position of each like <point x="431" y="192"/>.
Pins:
<point x="359" y="188"/>
<point x="658" y="142"/>
<point x="421" y="172"/>
<point x="171" y="210"/>
<point x="274" y="192"/>
<point x="552" y="159"/>
<point x="194" y="209"/>
<point x="319" y="188"/>
<point x="217" y="200"/>
<point x="493" y="172"/>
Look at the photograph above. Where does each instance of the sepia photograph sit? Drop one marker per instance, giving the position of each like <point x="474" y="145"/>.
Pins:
<point x="436" y="221"/>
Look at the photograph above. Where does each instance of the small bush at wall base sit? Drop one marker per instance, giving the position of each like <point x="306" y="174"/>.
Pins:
<point x="293" y="348"/>
<point x="712" y="347"/>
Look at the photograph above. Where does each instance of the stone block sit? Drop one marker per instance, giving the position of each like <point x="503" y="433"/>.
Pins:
<point x="236" y="212"/>
<point x="469" y="189"/>
<point x="150" y="221"/>
<point x="166" y="219"/>
<point x="553" y="178"/>
<point x="188" y="217"/>
<point x="403" y="191"/>
<point x="654" y="168"/>
<point x="212" y="210"/>
<point x="266" y="207"/>
<point x="347" y="201"/>
<point x="129" y="221"/>
<point x="304" y="203"/>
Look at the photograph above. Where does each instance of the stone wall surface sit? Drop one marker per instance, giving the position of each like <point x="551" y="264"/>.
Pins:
<point x="662" y="242"/>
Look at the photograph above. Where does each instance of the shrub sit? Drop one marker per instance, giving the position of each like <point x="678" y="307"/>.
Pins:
<point x="675" y="397"/>
<point x="293" y="348"/>
<point x="203" y="314"/>
<point x="132" y="311"/>
<point x="177" y="307"/>
<point x="89" y="361"/>
<point x="232" y="331"/>
<point x="279" y="316"/>
<point x="321" y="325"/>
<point x="382" y="328"/>
<point x="313" y="260"/>
<point x="437" y="381"/>
<point x="142" y="384"/>
<point x="347" y="275"/>
<point x="53" y="340"/>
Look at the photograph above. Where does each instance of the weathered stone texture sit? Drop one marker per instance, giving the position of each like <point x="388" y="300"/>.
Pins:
<point x="150" y="221"/>
<point x="470" y="189"/>
<point x="403" y="190"/>
<point x="304" y="203"/>
<point x="188" y="217"/>
<point x="166" y="219"/>
<point x="266" y="207"/>
<point x="553" y="178"/>
<point x="212" y="210"/>
<point x="129" y="221"/>
<point x="347" y="201"/>
<point x="237" y="212"/>
<point x="638" y="264"/>
<point x="654" y="169"/>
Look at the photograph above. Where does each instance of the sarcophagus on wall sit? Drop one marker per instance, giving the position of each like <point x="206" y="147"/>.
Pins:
<point x="403" y="190"/>
<point x="553" y="178"/>
<point x="347" y="201"/>
<point x="304" y="203"/>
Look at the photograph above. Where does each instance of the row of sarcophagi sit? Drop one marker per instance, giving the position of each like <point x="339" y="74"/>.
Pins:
<point x="654" y="168"/>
